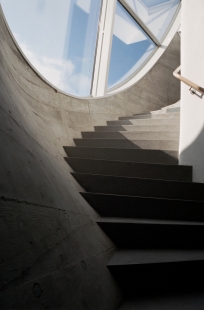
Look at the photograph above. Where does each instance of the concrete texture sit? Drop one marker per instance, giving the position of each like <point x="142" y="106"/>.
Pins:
<point x="145" y="121"/>
<point x="167" y="127"/>
<point x="53" y="254"/>
<point x="140" y="187"/>
<point x="187" y="301"/>
<point x="131" y="169"/>
<point x="139" y="207"/>
<point x="152" y="116"/>
<point x="133" y="135"/>
<point x="171" y="145"/>
<point x="133" y="155"/>
<point x="155" y="219"/>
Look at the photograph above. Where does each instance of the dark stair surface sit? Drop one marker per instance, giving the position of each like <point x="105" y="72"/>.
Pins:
<point x="131" y="169"/>
<point x="158" y="144"/>
<point x="140" y="207"/>
<point x="130" y="155"/>
<point x="149" y="208"/>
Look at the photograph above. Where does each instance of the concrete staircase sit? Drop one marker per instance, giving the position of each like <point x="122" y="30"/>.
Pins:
<point x="149" y="207"/>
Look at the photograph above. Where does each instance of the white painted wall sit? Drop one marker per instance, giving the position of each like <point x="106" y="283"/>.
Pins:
<point x="192" y="67"/>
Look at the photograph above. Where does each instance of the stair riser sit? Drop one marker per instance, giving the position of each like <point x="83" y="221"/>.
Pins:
<point x="131" y="155"/>
<point x="153" y="135"/>
<point x="145" y="122"/>
<point x="130" y="128"/>
<point x="154" y="236"/>
<point x="109" y="128"/>
<point x="170" y="110"/>
<point x="175" y="109"/>
<point x="117" y="168"/>
<point x="171" y="106"/>
<point x="163" y="278"/>
<point x="171" y="145"/>
<point x="151" y="116"/>
<point x="154" y="128"/>
<point x="141" y="207"/>
<point x="141" y="187"/>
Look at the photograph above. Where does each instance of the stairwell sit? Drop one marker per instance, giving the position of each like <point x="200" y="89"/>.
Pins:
<point x="149" y="207"/>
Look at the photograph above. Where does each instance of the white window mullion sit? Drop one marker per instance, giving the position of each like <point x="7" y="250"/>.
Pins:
<point x="140" y="22"/>
<point x="103" y="50"/>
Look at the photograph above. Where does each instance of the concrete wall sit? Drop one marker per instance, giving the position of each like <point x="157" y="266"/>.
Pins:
<point x="53" y="255"/>
<point x="192" y="108"/>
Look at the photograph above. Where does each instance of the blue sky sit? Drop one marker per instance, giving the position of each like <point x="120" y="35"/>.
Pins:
<point x="59" y="37"/>
<point x="130" y="47"/>
<point x="42" y="29"/>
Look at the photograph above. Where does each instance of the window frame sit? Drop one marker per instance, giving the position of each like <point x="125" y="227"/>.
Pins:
<point x="104" y="45"/>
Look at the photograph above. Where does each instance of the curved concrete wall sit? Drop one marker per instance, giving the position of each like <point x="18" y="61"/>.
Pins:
<point x="192" y="107"/>
<point x="53" y="255"/>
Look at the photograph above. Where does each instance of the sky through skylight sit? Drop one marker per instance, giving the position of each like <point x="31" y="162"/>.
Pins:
<point x="59" y="37"/>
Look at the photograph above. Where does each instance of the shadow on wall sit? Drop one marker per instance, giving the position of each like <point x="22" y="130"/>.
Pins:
<point x="53" y="254"/>
<point x="194" y="155"/>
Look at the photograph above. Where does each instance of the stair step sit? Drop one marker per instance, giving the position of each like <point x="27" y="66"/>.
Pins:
<point x="154" y="116"/>
<point x="126" y="257"/>
<point x="133" y="155"/>
<point x="193" y="300"/>
<point x="171" y="145"/>
<point x="120" y="123"/>
<point x="170" y="110"/>
<point x="156" y="271"/>
<point x="166" y="127"/>
<point x="110" y="128"/>
<point x="131" y="169"/>
<point x="154" y="128"/>
<point x="167" y="109"/>
<point x="150" y="121"/>
<point x="153" y="234"/>
<point x="133" y="135"/>
<point x="162" y="271"/>
<point x="140" y="187"/>
<point x="143" y="114"/>
<point x="108" y="205"/>
<point x="174" y="105"/>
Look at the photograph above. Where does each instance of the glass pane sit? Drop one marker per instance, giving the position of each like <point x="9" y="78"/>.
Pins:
<point x="156" y="14"/>
<point x="58" y="37"/>
<point x="130" y="47"/>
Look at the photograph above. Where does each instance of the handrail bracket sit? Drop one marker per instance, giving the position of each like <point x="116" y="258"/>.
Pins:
<point x="193" y="92"/>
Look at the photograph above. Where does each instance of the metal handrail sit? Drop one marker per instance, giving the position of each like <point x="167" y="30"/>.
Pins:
<point x="194" y="88"/>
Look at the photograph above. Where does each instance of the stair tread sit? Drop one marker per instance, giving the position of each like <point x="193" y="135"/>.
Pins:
<point x="136" y="128"/>
<point x="143" y="179"/>
<point x="153" y="144"/>
<point x="147" y="221"/>
<point x="131" y="169"/>
<point x="141" y="131"/>
<point x="131" y="140"/>
<point x="128" y="154"/>
<point x="132" y="135"/>
<point x="129" y="162"/>
<point x="134" y="186"/>
<point x="143" y="197"/>
<point x="152" y="256"/>
<point x="161" y="115"/>
<point x="187" y="301"/>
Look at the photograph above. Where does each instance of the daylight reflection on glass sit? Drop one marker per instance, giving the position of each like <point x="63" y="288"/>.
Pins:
<point x="59" y="38"/>
<point x="81" y="41"/>
<point x="130" y="47"/>
<point x="156" y="14"/>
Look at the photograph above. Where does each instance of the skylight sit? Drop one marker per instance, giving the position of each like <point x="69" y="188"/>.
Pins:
<point x="64" y="40"/>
